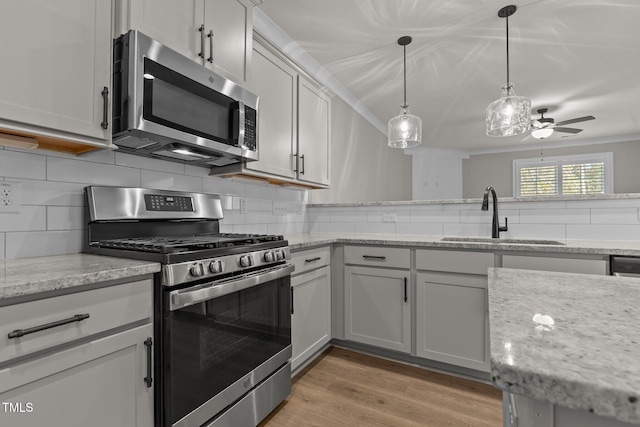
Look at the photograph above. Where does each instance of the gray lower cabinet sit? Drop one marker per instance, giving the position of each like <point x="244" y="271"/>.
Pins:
<point x="451" y="320"/>
<point x="91" y="367"/>
<point x="311" y="314"/>
<point x="377" y="307"/>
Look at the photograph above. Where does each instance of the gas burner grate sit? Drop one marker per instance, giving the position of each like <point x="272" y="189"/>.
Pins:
<point x="178" y="244"/>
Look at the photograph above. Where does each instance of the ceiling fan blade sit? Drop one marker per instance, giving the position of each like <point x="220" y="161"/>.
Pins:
<point x="567" y="130"/>
<point x="526" y="138"/>
<point x="576" y="120"/>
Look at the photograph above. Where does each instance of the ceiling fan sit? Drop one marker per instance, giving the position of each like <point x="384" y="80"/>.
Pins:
<point x="544" y="127"/>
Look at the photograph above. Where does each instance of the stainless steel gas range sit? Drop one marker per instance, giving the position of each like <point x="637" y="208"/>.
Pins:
<point x="222" y="303"/>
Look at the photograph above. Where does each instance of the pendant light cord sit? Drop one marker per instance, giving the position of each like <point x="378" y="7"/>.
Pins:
<point x="507" y="18"/>
<point x="405" y="76"/>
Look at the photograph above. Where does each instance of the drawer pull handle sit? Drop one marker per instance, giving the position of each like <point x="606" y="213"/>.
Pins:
<point x="378" y="258"/>
<point x="307" y="261"/>
<point x="148" y="380"/>
<point x="292" y="300"/>
<point x="22" y="332"/>
<point x="405" y="290"/>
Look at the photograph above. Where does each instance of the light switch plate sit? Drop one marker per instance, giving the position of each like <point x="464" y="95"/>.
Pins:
<point x="389" y="217"/>
<point x="280" y="208"/>
<point x="10" y="197"/>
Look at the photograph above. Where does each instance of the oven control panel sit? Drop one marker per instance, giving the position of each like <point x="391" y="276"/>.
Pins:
<point x="173" y="274"/>
<point x="163" y="203"/>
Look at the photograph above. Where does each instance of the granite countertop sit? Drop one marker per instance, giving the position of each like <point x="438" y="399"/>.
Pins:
<point x="585" y="247"/>
<point x="588" y="359"/>
<point x="27" y="276"/>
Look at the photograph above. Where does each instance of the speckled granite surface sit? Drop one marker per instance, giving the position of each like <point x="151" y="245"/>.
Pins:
<point x="585" y="247"/>
<point x="588" y="359"/>
<point x="28" y="276"/>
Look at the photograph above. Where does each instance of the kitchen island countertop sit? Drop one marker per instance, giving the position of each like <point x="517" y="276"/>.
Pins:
<point x="28" y="276"/>
<point x="589" y="358"/>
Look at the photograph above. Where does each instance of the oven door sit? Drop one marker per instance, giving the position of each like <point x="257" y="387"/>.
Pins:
<point x="220" y="340"/>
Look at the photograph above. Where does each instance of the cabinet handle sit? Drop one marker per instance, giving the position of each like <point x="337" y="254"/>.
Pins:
<point x="148" y="343"/>
<point x="378" y="258"/>
<point x="312" y="260"/>
<point x="292" y="300"/>
<point x="105" y="108"/>
<point x="302" y="169"/>
<point x="201" y="29"/>
<point x="22" y="332"/>
<point x="405" y="289"/>
<point x="210" y="36"/>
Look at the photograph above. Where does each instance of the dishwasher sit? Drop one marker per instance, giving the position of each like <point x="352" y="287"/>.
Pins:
<point x="625" y="266"/>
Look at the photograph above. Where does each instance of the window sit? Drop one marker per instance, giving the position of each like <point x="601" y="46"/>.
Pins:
<point x="563" y="175"/>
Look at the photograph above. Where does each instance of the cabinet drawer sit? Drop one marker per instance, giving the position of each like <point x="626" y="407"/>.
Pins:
<point x="377" y="256"/>
<point x="310" y="259"/>
<point x="564" y="265"/>
<point x="454" y="261"/>
<point x="108" y="308"/>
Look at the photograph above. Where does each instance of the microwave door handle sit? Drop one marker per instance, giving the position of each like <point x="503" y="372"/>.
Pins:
<point x="197" y="294"/>
<point x="241" y="124"/>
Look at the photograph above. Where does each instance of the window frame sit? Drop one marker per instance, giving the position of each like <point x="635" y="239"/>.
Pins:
<point x="559" y="161"/>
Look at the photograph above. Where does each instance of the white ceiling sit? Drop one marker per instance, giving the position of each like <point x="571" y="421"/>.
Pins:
<point x="575" y="57"/>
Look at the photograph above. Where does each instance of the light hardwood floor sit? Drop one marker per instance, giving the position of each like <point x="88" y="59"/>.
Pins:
<point x="345" y="388"/>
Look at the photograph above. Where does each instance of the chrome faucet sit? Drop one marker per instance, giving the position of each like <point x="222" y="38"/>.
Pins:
<point x="495" y="225"/>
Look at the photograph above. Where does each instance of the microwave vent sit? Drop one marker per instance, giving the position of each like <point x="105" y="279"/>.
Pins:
<point x="134" y="142"/>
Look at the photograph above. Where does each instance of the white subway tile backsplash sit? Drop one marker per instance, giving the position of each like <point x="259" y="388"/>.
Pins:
<point x="42" y="243"/>
<point x="603" y="232"/>
<point x="615" y="216"/>
<point x="72" y="170"/>
<point x="258" y="205"/>
<point x="30" y="218"/>
<point x="435" y="216"/>
<point x="132" y="161"/>
<point x="550" y="204"/>
<point x="16" y="164"/>
<point x="468" y="229"/>
<point x="555" y="216"/>
<point x="604" y="203"/>
<point x="65" y="218"/>
<point x="169" y="181"/>
<point x="52" y="193"/>
<point x="355" y="217"/>
<point x="423" y="228"/>
<point x="260" y="191"/>
<point x="375" y="227"/>
<point x="481" y="217"/>
<point x="332" y="227"/>
<point x="2" y="238"/>
<point x="413" y="207"/>
<point x="222" y="186"/>
<point x="535" y="231"/>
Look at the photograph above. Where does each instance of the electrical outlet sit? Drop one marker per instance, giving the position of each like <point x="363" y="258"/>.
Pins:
<point x="280" y="208"/>
<point x="9" y="197"/>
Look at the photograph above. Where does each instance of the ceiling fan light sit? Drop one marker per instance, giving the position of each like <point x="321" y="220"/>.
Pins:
<point x="542" y="133"/>
<point x="510" y="115"/>
<point x="405" y="130"/>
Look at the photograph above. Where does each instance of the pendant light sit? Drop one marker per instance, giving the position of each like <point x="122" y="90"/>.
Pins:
<point x="405" y="130"/>
<point x="511" y="114"/>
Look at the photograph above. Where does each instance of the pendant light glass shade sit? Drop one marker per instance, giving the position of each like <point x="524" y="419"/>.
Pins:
<point x="511" y="114"/>
<point x="405" y="130"/>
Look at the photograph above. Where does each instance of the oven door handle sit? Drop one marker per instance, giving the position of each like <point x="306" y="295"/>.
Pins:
<point x="200" y="293"/>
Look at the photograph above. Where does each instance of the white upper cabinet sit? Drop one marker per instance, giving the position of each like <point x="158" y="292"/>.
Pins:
<point x="215" y="33"/>
<point x="56" y="66"/>
<point x="313" y="133"/>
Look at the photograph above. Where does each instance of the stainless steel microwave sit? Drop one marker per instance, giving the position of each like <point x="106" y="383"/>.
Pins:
<point x="167" y="106"/>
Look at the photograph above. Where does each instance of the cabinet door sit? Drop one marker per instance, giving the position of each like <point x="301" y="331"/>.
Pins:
<point x="99" y="383"/>
<point x="56" y="61"/>
<point x="313" y="133"/>
<point x="229" y="28"/>
<point x="377" y="310"/>
<point x="275" y="83"/>
<point x="174" y="23"/>
<point x="452" y="322"/>
<point x="311" y="316"/>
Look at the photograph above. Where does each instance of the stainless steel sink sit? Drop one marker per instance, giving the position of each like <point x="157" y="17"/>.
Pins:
<point x="508" y="241"/>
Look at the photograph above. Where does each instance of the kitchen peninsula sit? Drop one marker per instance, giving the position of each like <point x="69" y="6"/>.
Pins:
<point x="564" y="347"/>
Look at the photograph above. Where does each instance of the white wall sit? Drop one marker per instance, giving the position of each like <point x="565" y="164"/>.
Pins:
<point x="51" y="218"/>
<point x="436" y="173"/>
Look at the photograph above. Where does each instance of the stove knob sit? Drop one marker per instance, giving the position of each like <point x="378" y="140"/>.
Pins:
<point x="197" y="270"/>
<point x="216" y="267"/>
<point x="279" y="254"/>
<point x="245" y="261"/>
<point x="269" y="256"/>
